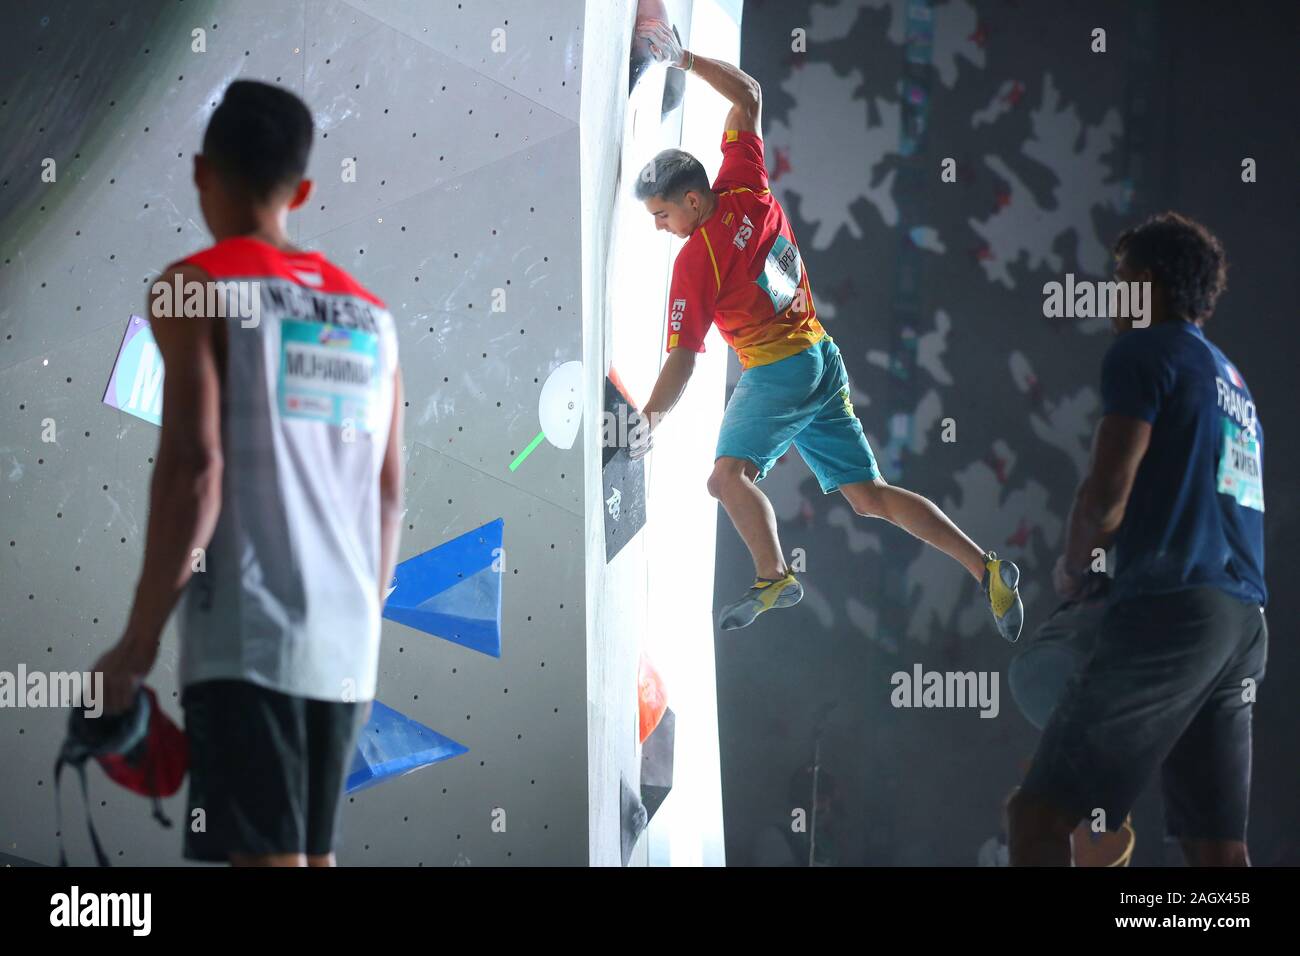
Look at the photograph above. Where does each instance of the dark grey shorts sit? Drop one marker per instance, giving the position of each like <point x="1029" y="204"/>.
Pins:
<point x="1166" y="687"/>
<point x="267" y="769"/>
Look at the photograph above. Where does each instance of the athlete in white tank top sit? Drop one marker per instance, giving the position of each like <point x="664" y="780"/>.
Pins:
<point x="290" y="599"/>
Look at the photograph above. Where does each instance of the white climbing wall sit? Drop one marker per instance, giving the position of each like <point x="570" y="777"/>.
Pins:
<point x="656" y="595"/>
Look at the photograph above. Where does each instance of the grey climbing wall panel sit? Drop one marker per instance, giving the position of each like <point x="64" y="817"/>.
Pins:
<point x="467" y="169"/>
<point x="464" y="217"/>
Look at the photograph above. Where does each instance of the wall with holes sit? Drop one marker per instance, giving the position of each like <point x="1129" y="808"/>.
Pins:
<point x="467" y="188"/>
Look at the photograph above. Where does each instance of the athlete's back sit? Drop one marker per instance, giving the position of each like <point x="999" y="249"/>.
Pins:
<point x="290" y="596"/>
<point x="1195" y="516"/>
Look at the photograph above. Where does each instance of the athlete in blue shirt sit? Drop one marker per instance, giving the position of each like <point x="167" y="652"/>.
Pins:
<point x="1176" y="486"/>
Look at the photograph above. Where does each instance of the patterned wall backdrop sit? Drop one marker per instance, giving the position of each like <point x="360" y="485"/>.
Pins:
<point x="968" y="393"/>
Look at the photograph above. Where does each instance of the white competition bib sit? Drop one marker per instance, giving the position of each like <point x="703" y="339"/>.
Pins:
<point x="1240" y="471"/>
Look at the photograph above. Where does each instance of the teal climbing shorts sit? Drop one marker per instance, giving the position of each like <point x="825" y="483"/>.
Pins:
<point x="802" y="399"/>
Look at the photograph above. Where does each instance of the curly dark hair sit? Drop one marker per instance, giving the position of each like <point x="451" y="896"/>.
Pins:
<point x="1185" y="259"/>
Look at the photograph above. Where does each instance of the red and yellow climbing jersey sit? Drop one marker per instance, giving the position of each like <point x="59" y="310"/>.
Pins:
<point x="741" y="270"/>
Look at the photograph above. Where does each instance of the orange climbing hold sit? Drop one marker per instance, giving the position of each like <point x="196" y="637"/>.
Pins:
<point x="652" y="696"/>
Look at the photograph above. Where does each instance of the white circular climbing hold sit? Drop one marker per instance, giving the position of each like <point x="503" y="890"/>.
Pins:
<point x="559" y="406"/>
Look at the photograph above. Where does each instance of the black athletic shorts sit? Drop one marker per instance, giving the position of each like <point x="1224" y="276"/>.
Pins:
<point x="1170" y="685"/>
<point x="267" y="769"/>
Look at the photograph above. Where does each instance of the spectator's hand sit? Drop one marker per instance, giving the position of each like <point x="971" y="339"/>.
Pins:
<point x="125" y="666"/>
<point x="1068" y="584"/>
<point x="664" y="45"/>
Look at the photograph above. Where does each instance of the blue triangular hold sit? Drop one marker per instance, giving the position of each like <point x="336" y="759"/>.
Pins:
<point x="392" y="744"/>
<point x="453" y="591"/>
